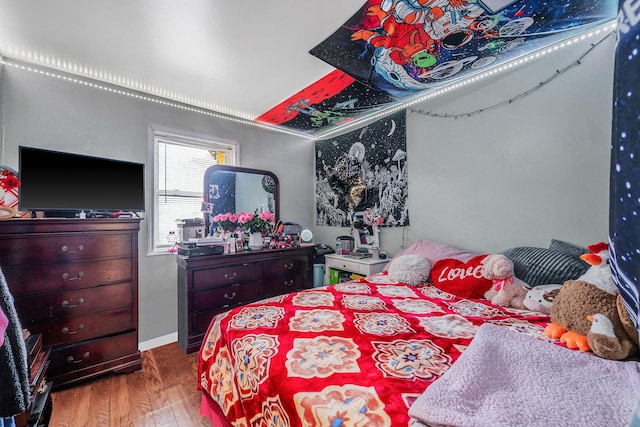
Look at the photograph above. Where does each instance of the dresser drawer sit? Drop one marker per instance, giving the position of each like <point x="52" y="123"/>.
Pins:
<point x="219" y="297"/>
<point x="66" y="247"/>
<point x="45" y="278"/>
<point x="286" y="284"/>
<point x="85" y="354"/>
<point x="345" y="264"/>
<point x="84" y="327"/>
<point x="66" y="304"/>
<point x="225" y="276"/>
<point x="285" y="266"/>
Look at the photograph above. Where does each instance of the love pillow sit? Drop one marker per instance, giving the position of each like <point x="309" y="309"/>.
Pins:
<point x="461" y="278"/>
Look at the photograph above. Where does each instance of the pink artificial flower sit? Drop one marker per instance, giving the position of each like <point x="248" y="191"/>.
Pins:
<point x="267" y="216"/>
<point x="233" y="217"/>
<point x="242" y="218"/>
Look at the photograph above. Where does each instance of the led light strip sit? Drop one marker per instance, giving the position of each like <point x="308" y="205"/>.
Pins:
<point x="190" y="104"/>
<point x="605" y="28"/>
<point x="149" y="98"/>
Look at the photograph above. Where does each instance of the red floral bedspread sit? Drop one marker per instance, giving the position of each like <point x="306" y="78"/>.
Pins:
<point x="352" y="354"/>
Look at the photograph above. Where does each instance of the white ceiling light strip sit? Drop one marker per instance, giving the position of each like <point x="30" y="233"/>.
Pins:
<point x="149" y="98"/>
<point x="192" y="105"/>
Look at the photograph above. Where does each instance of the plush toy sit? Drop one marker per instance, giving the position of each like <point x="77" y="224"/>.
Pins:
<point x="580" y="299"/>
<point x="603" y="340"/>
<point x="540" y="298"/>
<point x="507" y="290"/>
<point x="409" y="269"/>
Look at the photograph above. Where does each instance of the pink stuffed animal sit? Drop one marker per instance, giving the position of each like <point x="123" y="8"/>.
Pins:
<point x="507" y="289"/>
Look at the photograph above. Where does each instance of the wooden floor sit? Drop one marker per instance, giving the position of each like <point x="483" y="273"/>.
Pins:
<point x="163" y="393"/>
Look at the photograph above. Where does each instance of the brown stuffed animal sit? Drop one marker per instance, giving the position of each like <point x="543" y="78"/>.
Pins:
<point x="579" y="299"/>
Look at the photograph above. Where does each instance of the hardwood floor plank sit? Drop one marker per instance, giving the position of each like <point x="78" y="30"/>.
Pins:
<point x="63" y="402"/>
<point x="160" y="403"/>
<point x="140" y="404"/>
<point x="80" y="415"/>
<point x="100" y="404"/>
<point x="163" y="393"/>
<point x="120" y="414"/>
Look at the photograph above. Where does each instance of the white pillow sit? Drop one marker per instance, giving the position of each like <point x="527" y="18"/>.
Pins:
<point x="409" y="269"/>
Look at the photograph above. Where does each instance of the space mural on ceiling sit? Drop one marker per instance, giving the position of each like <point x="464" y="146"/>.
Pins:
<point x="393" y="50"/>
<point x="624" y="219"/>
<point x="364" y="171"/>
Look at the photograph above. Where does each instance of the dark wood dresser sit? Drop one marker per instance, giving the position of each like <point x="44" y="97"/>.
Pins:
<point x="75" y="281"/>
<point x="208" y="285"/>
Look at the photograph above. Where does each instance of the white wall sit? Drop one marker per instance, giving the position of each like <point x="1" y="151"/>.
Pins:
<point x="519" y="174"/>
<point x="45" y="112"/>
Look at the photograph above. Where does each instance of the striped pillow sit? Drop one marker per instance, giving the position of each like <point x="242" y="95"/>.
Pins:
<point x="568" y="248"/>
<point x="541" y="266"/>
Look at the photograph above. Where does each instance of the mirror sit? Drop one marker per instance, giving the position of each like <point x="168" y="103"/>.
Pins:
<point x="235" y="189"/>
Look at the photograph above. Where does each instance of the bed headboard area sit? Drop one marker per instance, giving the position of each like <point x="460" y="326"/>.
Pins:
<point x="624" y="223"/>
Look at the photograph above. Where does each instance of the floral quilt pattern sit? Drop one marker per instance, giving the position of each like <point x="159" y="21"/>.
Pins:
<point x="355" y="353"/>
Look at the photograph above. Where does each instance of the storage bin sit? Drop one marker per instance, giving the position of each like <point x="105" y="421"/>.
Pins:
<point x="318" y="275"/>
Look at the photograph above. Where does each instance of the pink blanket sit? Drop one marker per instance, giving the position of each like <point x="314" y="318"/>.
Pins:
<point x="505" y="378"/>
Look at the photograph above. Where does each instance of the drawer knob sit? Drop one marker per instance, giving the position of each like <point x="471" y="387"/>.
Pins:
<point x="66" y="303"/>
<point x="288" y="282"/>
<point x="85" y="356"/>
<point x="66" y="276"/>
<point x="232" y="296"/>
<point x="66" y="330"/>
<point x="288" y="266"/>
<point x="66" y="249"/>
<point x="230" y="276"/>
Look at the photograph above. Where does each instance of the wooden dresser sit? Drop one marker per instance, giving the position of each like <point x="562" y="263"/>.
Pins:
<point x="75" y="281"/>
<point x="210" y="284"/>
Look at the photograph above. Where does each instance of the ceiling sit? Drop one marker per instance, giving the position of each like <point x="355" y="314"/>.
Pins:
<point x="252" y="60"/>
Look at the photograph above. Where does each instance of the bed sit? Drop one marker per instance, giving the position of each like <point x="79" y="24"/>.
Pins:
<point x="356" y="353"/>
<point x="365" y="353"/>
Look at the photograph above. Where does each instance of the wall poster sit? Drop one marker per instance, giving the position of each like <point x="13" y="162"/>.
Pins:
<point x="364" y="171"/>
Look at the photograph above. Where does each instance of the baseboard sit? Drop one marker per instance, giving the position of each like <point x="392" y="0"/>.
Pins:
<point x="158" y="342"/>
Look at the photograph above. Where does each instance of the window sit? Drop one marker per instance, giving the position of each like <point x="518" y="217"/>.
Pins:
<point x="179" y="163"/>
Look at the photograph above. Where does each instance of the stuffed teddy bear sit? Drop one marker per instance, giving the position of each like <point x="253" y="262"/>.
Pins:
<point x="580" y="299"/>
<point x="540" y="298"/>
<point x="507" y="290"/>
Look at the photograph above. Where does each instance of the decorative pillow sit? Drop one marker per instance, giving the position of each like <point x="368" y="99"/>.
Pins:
<point x="461" y="278"/>
<point x="541" y="266"/>
<point x="433" y="251"/>
<point x="568" y="248"/>
<point x="409" y="269"/>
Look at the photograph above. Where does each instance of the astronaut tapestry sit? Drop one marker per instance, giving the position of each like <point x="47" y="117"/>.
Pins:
<point x="364" y="171"/>
<point x="624" y="226"/>
<point x="403" y="47"/>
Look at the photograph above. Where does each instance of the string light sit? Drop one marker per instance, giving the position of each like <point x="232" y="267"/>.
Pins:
<point x="608" y="28"/>
<point x="557" y="74"/>
<point x="148" y="98"/>
<point x="209" y="109"/>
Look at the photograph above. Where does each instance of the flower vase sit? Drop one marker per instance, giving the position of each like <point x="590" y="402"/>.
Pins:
<point x="255" y="241"/>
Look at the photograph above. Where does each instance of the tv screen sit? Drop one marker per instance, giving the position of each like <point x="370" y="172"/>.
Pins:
<point x="53" y="180"/>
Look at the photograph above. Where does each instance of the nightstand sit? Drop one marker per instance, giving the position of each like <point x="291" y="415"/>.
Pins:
<point x="362" y="266"/>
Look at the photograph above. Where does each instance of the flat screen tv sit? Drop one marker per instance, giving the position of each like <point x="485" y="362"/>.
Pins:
<point x="64" y="182"/>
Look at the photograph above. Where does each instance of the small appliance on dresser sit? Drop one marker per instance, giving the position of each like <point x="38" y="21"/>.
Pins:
<point x="75" y="281"/>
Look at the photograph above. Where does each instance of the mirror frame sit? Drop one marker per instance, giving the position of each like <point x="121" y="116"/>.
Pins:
<point x="227" y="168"/>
